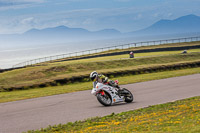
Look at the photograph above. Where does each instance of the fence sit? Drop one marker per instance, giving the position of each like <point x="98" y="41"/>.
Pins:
<point x="97" y="50"/>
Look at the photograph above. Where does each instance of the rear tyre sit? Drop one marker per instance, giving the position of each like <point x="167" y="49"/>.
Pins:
<point x="128" y="96"/>
<point x="104" y="99"/>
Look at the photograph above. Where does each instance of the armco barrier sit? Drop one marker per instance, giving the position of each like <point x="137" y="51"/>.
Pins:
<point x="98" y="50"/>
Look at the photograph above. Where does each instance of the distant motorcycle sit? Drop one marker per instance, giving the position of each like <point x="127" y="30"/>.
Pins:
<point x="108" y="95"/>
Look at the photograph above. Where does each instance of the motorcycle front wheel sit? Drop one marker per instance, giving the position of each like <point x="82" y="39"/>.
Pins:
<point x="104" y="99"/>
<point x="128" y="96"/>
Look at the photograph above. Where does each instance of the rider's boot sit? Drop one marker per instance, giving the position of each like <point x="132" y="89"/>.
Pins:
<point x="120" y="90"/>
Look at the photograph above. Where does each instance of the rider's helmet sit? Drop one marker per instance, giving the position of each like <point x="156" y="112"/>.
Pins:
<point x="93" y="75"/>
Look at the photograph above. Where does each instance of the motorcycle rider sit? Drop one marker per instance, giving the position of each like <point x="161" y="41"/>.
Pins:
<point x="94" y="76"/>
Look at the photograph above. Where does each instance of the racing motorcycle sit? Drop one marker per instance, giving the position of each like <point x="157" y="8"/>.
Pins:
<point x="108" y="95"/>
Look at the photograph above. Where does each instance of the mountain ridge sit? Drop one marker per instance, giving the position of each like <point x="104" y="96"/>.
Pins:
<point x="184" y="24"/>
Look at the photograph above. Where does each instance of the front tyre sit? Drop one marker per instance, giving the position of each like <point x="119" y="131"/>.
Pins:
<point x="104" y="99"/>
<point x="128" y="96"/>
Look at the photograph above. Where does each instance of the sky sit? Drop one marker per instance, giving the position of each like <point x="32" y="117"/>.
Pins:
<point x="18" y="16"/>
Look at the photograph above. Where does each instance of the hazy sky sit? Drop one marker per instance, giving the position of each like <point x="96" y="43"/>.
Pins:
<point x="17" y="16"/>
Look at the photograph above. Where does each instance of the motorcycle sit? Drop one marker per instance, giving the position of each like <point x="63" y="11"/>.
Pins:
<point x="108" y="95"/>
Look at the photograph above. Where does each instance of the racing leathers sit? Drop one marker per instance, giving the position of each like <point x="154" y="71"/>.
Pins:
<point x="103" y="79"/>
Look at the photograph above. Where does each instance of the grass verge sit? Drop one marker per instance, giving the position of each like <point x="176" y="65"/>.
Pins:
<point x="46" y="74"/>
<point x="47" y="91"/>
<point x="180" y="116"/>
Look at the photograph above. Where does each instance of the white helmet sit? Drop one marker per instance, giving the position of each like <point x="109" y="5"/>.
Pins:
<point x="93" y="75"/>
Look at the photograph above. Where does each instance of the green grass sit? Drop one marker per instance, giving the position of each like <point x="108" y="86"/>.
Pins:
<point x="181" y="116"/>
<point x="41" y="74"/>
<point x="47" y="91"/>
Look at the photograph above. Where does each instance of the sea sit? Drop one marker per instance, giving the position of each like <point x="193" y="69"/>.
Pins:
<point x="12" y="55"/>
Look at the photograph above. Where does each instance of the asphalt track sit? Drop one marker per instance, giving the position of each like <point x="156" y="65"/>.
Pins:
<point x="19" y="116"/>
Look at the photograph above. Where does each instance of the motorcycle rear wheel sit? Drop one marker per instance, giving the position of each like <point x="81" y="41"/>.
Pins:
<point x="104" y="99"/>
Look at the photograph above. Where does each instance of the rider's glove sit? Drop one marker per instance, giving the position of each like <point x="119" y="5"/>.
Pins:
<point x="105" y="80"/>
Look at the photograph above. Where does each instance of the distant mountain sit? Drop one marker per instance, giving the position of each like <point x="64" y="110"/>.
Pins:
<point x="60" y="34"/>
<point x="63" y="31"/>
<point x="108" y="32"/>
<point x="57" y="30"/>
<point x="185" y="24"/>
